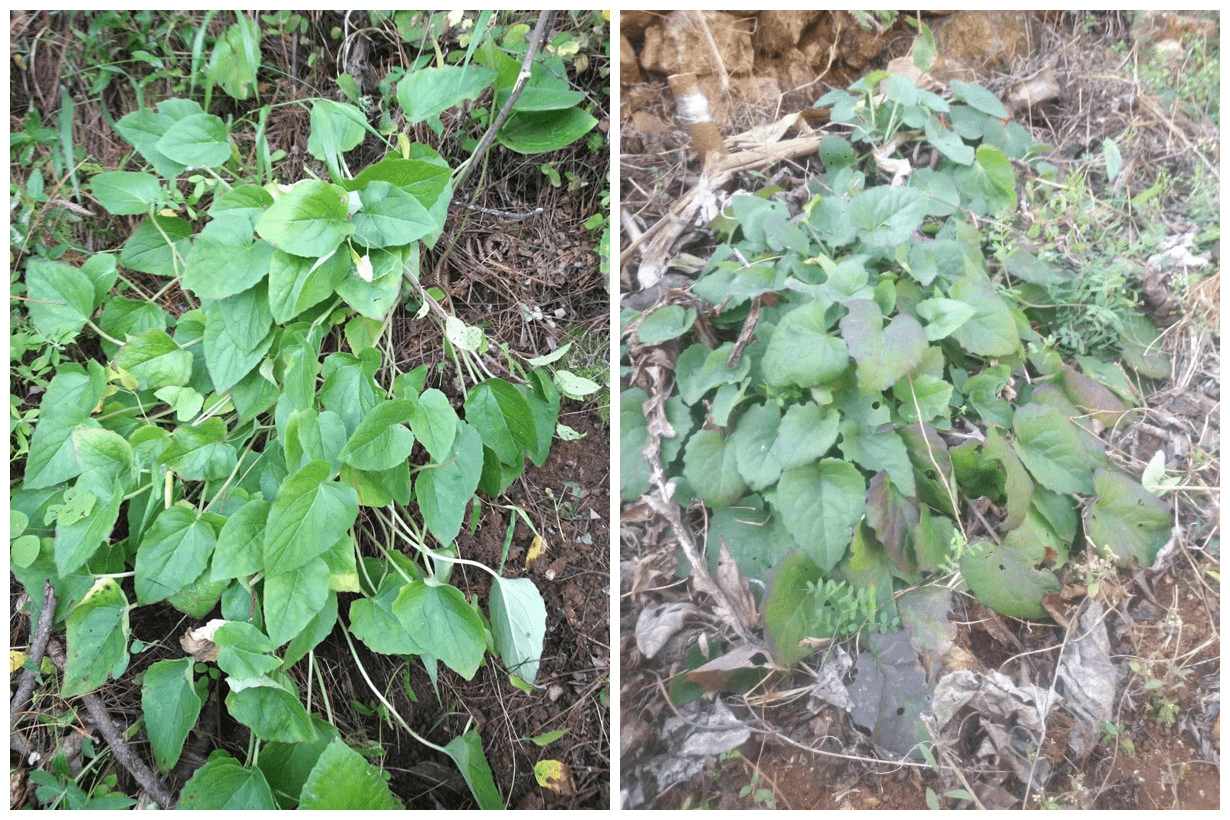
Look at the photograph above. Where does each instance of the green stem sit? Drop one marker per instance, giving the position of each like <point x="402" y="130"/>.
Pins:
<point x="392" y="711"/>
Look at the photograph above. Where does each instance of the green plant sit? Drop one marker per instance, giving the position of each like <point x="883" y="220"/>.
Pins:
<point x="1113" y="734"/>
<point x="1162" y="707"/>
<point x="870" y="378"/>
<point x="262" y="453"/>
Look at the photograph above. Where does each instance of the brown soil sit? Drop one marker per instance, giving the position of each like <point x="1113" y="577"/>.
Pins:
<point x="1163" y="622"/>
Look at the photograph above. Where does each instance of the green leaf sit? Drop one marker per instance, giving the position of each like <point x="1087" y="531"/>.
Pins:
<point x="801" y="352"/>
<point x="435" y="424"/>
<point x="106" y="464"/>
<point x="309" y="515"/>
<point x="1141" y="343"/>
<point x="380" y="442"/>
<point x="312" y="436"/>
<point x="927" y="450"/>
<point x="1006" y="579"/>
<point x="991" y="331"/>
<point x="241" y="206"/>
<point x="988" y="187"/>
<point x="1018" y="486"/>
<point x="143" y="128"/>
<point x="390" y="217"/>
<point x="503" y="419"/>
<point x="225" y="359"/>
<point x="1127" y="519"/>
<point x="633" y="436"/>
<point x="236" y="58"/>
<point x="171" y="706"/>
<point x="173" y="554"/>
<point x="443" y="490"/>
<point x="374" y="299"/>
<point x="196" y="141"/>
<point x="931" y="392"/>
<point x="320" y="624"/>
<point x="243" y="650"/>
<point x="156" y="360"/>
<point x="106" y="460"/>
<point x="820" y="504"/>
<point x="237" y="553"/>
<point x="343" y="780"/>
<point x="665" y="323"/>
<point x="699" y="369"/>
<point x="943" y="199"/>
<point x="443" y="624"/>
<point x="948" y="142"/>
<point x="218" y="267"/>
<point x="123" y="317"/>
<point x="70" y="398"/>
<point x="540" y="132"/>
<point x="425" y="93"/>
<point x="710" y="463"/>
<point x="467" y="752"/>
<point x="297" y="283"/>
<point x="335" y="128"/>
<point x="883" y="354"/>
<point x="542" y="97"/>
<point x="753" y="441"/>
<point x="198" y="598"/>
<point x="944" y="316"/>
<point x="248" y="317"/>
<point x="755" y="539"/>
<point x="61" y="299"/>
<point x="159" y="246"/>
<point x="287" y="765"/>
<point x="786" y="620"/>
<point x="729" y="284"/>
<point x="574" y="386"/>
<point x="1027" y="267"/>
<point x="200" y="453"/>
<point x="310" y="220"/>
<point x="372" y="621"/>
<point x="270" y="710"/>
<point x="293" y="598"/>
<point x="224" y="785"/>
<point x="125" y="193"/>
<point x="519" y="623"/>
<point x="427" y="179"/>
<point x="980" y="99"/>
<point x="1051" y="448"/>
<point x="885" y="216"/>
<point x="349" y="389"/>
<point x="97" y="639"/>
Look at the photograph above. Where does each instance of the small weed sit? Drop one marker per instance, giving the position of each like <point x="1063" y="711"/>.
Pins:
<point x="1113" y="734"/>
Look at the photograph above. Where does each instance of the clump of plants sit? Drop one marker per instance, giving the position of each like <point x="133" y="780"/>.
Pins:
<point x="262" y="455"/>
<point x="873" y="405"/>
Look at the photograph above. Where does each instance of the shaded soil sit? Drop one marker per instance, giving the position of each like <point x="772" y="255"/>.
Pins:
<point x="1162" y="747"/>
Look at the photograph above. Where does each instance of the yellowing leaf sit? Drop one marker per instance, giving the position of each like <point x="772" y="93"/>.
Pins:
<point x="538" y="548"/>
<point x="16" y="659"/>
<point x="553" y="775"/>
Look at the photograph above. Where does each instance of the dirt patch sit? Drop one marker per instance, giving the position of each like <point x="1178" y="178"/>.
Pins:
<point x="1160" y="746"/>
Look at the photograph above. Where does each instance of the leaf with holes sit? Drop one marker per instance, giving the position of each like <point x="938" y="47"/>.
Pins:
<point x="1127" y="519"/>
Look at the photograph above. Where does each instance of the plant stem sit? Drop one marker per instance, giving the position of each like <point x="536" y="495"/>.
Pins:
<point x="531" y="46"/>
<point x="392" y="712"/>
